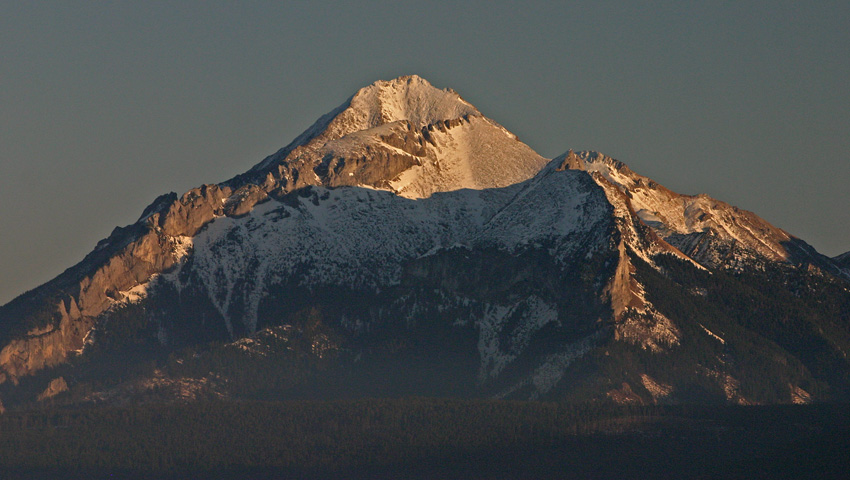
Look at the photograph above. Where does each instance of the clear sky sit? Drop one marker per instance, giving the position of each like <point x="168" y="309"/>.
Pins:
<point x="105" y="105"/>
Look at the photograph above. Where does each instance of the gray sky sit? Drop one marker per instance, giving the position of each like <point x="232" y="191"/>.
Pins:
<point x="104" y="106"/>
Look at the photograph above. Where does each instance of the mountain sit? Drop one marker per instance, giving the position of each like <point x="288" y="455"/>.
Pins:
<point x="407" y="244"/>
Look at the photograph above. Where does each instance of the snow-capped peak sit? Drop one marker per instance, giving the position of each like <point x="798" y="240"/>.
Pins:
<point x="405" y="136"/>
<point x="409" y="98"/>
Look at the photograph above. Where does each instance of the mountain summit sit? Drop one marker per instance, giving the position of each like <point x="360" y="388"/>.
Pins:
<point x="407" y="244"/>
<point x="406" y="136"/>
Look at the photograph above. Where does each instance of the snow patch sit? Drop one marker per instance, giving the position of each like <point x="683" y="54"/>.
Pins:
<point x="182" y="246"/>
<point x="554" y="366"/>
<point x="530" y="315"/>
<point x="135" y="294"/>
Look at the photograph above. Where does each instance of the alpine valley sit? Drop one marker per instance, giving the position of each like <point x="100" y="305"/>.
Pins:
<point x="407" y="245"/>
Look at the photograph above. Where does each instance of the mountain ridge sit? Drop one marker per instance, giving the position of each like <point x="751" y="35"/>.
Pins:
<point x="683" y="221"/>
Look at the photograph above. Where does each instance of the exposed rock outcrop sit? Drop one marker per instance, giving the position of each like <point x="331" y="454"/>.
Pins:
<point x="44" y="347"/>
<point x="570" y="161"/>
<point x="55" y="387"/>
<point x="88" y="289"/>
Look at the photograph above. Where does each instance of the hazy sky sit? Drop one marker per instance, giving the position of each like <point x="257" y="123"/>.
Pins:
<point x="104" y="106"/>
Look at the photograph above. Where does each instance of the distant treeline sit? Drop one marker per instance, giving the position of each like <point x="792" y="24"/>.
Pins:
<point x="425" y="438"/>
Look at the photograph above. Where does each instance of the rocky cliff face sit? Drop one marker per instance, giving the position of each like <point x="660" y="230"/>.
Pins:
<point x="60" y="314"/>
